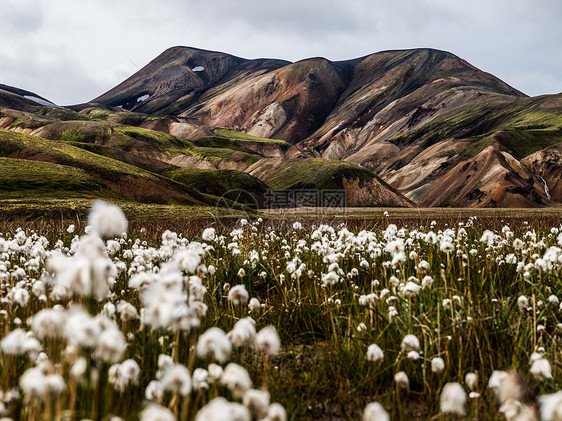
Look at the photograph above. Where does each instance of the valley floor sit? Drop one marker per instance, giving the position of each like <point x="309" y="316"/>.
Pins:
<point x="370" y="305"/>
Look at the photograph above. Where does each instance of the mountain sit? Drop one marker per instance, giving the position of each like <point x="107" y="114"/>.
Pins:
<point x="106" y="152"/>
<point x="420" y="119"/>
<point x="395" y="128"/>
<point x="21" y="99"/>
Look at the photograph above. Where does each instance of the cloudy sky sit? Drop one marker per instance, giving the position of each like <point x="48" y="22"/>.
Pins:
<point x="71" y="51"/>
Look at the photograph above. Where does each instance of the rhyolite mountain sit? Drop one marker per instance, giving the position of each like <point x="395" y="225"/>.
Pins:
<point x="396" y="128"/>
<point x="428" y="123"/>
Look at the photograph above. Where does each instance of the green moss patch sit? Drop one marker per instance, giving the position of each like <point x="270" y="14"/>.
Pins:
<point x="122" y="117"/>
<point x="476" y="146"/>
<point x="243" y="137"/>
<point x="317" y="174"/>
<point x="217" y="182"/>
<point x="522" y="143"/>
<point x="20" y="176"/>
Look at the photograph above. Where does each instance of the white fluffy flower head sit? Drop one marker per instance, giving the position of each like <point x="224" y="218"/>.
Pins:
<point x="107" y="220"/>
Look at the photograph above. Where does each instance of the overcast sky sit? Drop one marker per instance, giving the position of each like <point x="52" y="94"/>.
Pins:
<point x="71" y="51"/>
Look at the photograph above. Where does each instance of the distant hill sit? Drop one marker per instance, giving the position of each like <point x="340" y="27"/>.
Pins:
<point x="21" y="99"/>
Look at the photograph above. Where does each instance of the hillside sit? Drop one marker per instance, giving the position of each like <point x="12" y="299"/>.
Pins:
<point x="412" y="117"/>
<point x="429" y="128"/>
<point x="54" y="152"/>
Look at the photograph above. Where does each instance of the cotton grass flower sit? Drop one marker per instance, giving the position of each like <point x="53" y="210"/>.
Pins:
<point x="413" y="355"/>
<point x="507" y="385"/>
<point x="200" y="379"/>
<point x="238" y="295"/>
<point x="427" y="282"/>
<point x="487" y="237"/>
<point x="236" y="378"/>
<point x="453" y="399"/>
<point x="267" y="341"/>
<point x="107" y="220"/>
<point x="254" y="305"/>
<point x="18" y="342"/>
<point x="177" y="379"/>
<point x="551" y="406"/>
<point x="215" y="372"/>
<point x="154" y="391"/>
<point x="331" y="278"/>
<point x="541" y="369"/>
<point x="215" y="343"/>
<point x="111" y="345"/>
<point x="276" y="412"/>
<point x="38" y="386"/>
<point x="243" y="333"/>
<point x="88" y="272"/>
<point x="155" y="412"/>
<point x="209" y="235"/>
<point x="375" y="354"/>
<point x="522" y="303"/>
<point x="124" y="374"/>
<point x="219" y="409"/>
<point x="257" y="402"/>
<point x="410" y="343"/>
<point x="437" y="365"/>
<point x="513" y="410"/>
<point x="471" y="380"/>
<point x="411" y="289"/>
<point x="401" y="380"/>
<point x="374" y="411"/>
<point x="127" y="311"/>
<point x="78" y="369"/>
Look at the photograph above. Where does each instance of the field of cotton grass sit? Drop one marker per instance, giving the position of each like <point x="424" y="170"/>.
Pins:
<point x="281" y="320"/>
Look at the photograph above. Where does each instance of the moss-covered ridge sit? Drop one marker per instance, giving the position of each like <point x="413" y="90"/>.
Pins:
<point x="238" y="136"/>
<point x="124" y="180"/>
<point x="527" y="125"/>
<point x="21" y="177"/>
<point x="359" y="186"/>
<point x="231" y="184"/>
<point x="316" y="174"/>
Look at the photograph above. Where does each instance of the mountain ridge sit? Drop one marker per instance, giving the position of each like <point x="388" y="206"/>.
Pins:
<point x="428" y="127"/>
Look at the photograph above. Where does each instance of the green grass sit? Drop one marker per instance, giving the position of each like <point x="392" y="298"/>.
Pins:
<point x="243" y="137"/>
<point x="476" y="146"/>
<point x="530" y="128"/>
<point x="162" y="141"/>
<point x="122" y="117"/>
<point x="223" y="154"/>
<point x="450" y="198"/>
<point x="26" y="122"/>
<point x="126" y="180"/>
<point x="68" y="155"/>
<point x="533" y="118"/>
<point x="219" y="180"/>
<point x="23" y="177"/>
<point x="127" y="137"/>
<point x="47" y="209"/>
<point x="79" y="131"/>
<point x="523" y="143"/>
<point x="60" y="114"/>
<point x="316" y="173"/>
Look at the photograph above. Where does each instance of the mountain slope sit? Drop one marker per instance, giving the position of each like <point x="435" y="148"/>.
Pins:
<point x="394" y="127"/>
<point x="20" y="99"/>
<point x="413" y="117"/>
<point x="179" y="77"/>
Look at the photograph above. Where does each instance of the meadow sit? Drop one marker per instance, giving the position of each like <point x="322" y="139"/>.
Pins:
<point x="376" y="316"/>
